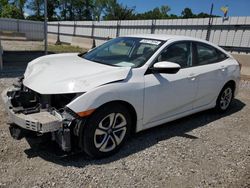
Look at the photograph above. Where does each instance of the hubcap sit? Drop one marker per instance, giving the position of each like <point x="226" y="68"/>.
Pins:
<point x="110" y="132"/>
<point x="226" y="98"/>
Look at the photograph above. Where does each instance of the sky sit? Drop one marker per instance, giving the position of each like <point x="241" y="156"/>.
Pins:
<point x="236" y="7"/>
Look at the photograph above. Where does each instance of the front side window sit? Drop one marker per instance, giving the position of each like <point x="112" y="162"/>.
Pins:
<point x="179" y="53"/>
<point x="124" y="52"/>
<point x="207" y="54"/>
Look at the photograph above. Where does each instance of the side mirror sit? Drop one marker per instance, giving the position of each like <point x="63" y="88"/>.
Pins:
<point x="166" y="67"/>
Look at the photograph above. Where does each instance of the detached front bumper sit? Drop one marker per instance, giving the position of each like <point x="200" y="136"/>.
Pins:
<point x="41" y="122"/>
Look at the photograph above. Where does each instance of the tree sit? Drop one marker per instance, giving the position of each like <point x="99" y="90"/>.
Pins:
<point x="116" y="11"/>
<point x="76" y="9"/>
<point x="173" y="16"/>
<point x="20" y="4"/>
<point x="2" y="4"/>
<point x="11" y="11"/>
<point x="187" y="13"/>
<point x="63" y="9"/>
<point x="202" y="15"/>
<point x="164" y="10"/>
<point x="156" y="13"/>
<point x="98" y="8"/>
<point x="36" y="6"/>
<point x="82" y="10"/>
<point x="52" y="6"/>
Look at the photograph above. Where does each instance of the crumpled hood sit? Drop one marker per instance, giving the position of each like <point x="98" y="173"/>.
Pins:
<point x="69" y="73"/>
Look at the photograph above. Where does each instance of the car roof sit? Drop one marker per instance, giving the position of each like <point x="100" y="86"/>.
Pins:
<point x="175" y="37"/>
<point x="164" y="37"/>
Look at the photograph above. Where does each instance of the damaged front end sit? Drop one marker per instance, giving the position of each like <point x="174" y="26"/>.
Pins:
<point x="36" y="115"/>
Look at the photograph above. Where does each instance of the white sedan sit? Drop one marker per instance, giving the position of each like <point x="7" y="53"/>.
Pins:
<point x="92" y="102"/>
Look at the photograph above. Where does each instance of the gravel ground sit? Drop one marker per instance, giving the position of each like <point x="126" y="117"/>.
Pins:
<point x="202" y="150"/>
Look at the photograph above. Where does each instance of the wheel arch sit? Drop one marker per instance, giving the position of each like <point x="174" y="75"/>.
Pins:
<point x="130" y="109"/>
<point x="231" y="83"/>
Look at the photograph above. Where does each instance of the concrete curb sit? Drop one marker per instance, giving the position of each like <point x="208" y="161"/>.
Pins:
<point x="245" y="77"/>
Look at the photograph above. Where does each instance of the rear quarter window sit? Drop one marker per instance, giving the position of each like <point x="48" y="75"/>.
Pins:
<point x="207" y="54"/>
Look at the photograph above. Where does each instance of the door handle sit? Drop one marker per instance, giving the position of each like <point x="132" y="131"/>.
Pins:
<point x="223" y="68"/>
<point x="192" y="76"/>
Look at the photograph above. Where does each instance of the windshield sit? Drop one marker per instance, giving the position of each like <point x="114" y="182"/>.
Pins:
<point x="124" y="52"/>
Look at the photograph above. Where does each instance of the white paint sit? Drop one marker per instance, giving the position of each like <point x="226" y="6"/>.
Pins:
<point x="69" y="73"/>
<point x="156" y="97"/>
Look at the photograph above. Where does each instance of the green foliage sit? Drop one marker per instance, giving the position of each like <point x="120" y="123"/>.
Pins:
<point x="156" y="13"/>
<point x="20" y="4"/>
<point x="74" y="10"/>
<point x="11" y="11"/>
<point x="35" y="18"/>
<point x="98" y="8"/>
<point x="116" y="11"/>
<point x="187" y="13"/>
<point x="36" y="7"/>
<point x="3" y="3"/>
<point x="52" y="6"/>
<point x="65" y="48"/>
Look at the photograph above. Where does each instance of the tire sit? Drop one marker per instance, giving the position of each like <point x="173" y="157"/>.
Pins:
<point x="106" y="131"/>
<point x="225" y="98"/>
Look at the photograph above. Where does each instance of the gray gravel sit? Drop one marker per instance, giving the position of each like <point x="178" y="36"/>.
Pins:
<point x="202" y="150"/>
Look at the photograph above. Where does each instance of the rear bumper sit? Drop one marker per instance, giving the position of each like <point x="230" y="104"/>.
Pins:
<point x="41" y="122"/>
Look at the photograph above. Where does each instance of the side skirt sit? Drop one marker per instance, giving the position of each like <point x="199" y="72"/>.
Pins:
<point x="172" y="118"/>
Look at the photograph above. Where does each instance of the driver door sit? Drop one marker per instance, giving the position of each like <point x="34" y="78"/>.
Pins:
<point x="167" y="95"/>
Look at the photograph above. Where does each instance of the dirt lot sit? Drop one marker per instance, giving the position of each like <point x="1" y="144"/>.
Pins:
<point x="202" y="150"/>
<point x="9" y="45"/>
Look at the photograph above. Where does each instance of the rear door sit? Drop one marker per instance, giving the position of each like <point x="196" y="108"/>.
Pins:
<point x="210" y="68"/>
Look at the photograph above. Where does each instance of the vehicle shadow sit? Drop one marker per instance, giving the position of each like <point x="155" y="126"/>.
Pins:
<point x="141" y="140"/>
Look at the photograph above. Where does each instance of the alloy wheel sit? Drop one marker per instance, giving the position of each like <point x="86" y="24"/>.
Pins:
<point x="226" y="98"/>
<point x="110" y="132"/>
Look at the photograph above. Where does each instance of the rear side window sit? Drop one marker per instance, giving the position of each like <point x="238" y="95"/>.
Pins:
<point x="207" y="54"/>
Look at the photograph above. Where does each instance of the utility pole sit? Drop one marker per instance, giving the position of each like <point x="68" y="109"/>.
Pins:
<point x="45" y="28"/>
<point x="210" y="22"/>
<point x="1" y="56"/>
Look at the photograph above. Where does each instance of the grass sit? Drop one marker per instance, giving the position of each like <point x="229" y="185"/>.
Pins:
<point x="65" y="48"/>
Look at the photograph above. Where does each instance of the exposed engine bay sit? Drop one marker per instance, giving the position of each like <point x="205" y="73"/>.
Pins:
<point x="37" y="115"/>
<point x="27" y="101"/>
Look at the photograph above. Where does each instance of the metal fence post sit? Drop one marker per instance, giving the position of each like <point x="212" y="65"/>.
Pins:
<point x="93" y="29"/>
<point x="153" y="26"/>
<point x="18" y="25"/>
<point x="1" y="57"/>
<point x="45" y="28"/>
<point x="92" y="34"/>
<point x="118" y="26"/>
<point x="210" y="23"/>
<point x="58" y="42"/>
<point x="74" y="32"/>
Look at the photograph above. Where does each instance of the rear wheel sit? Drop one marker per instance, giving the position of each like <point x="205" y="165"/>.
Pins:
<point x="106" y="130"/>
<point x="225" y="98"/>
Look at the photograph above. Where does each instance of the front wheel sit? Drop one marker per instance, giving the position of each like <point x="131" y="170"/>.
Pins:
<point x="106" y="130"/>
<point x="225" y="98"/>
